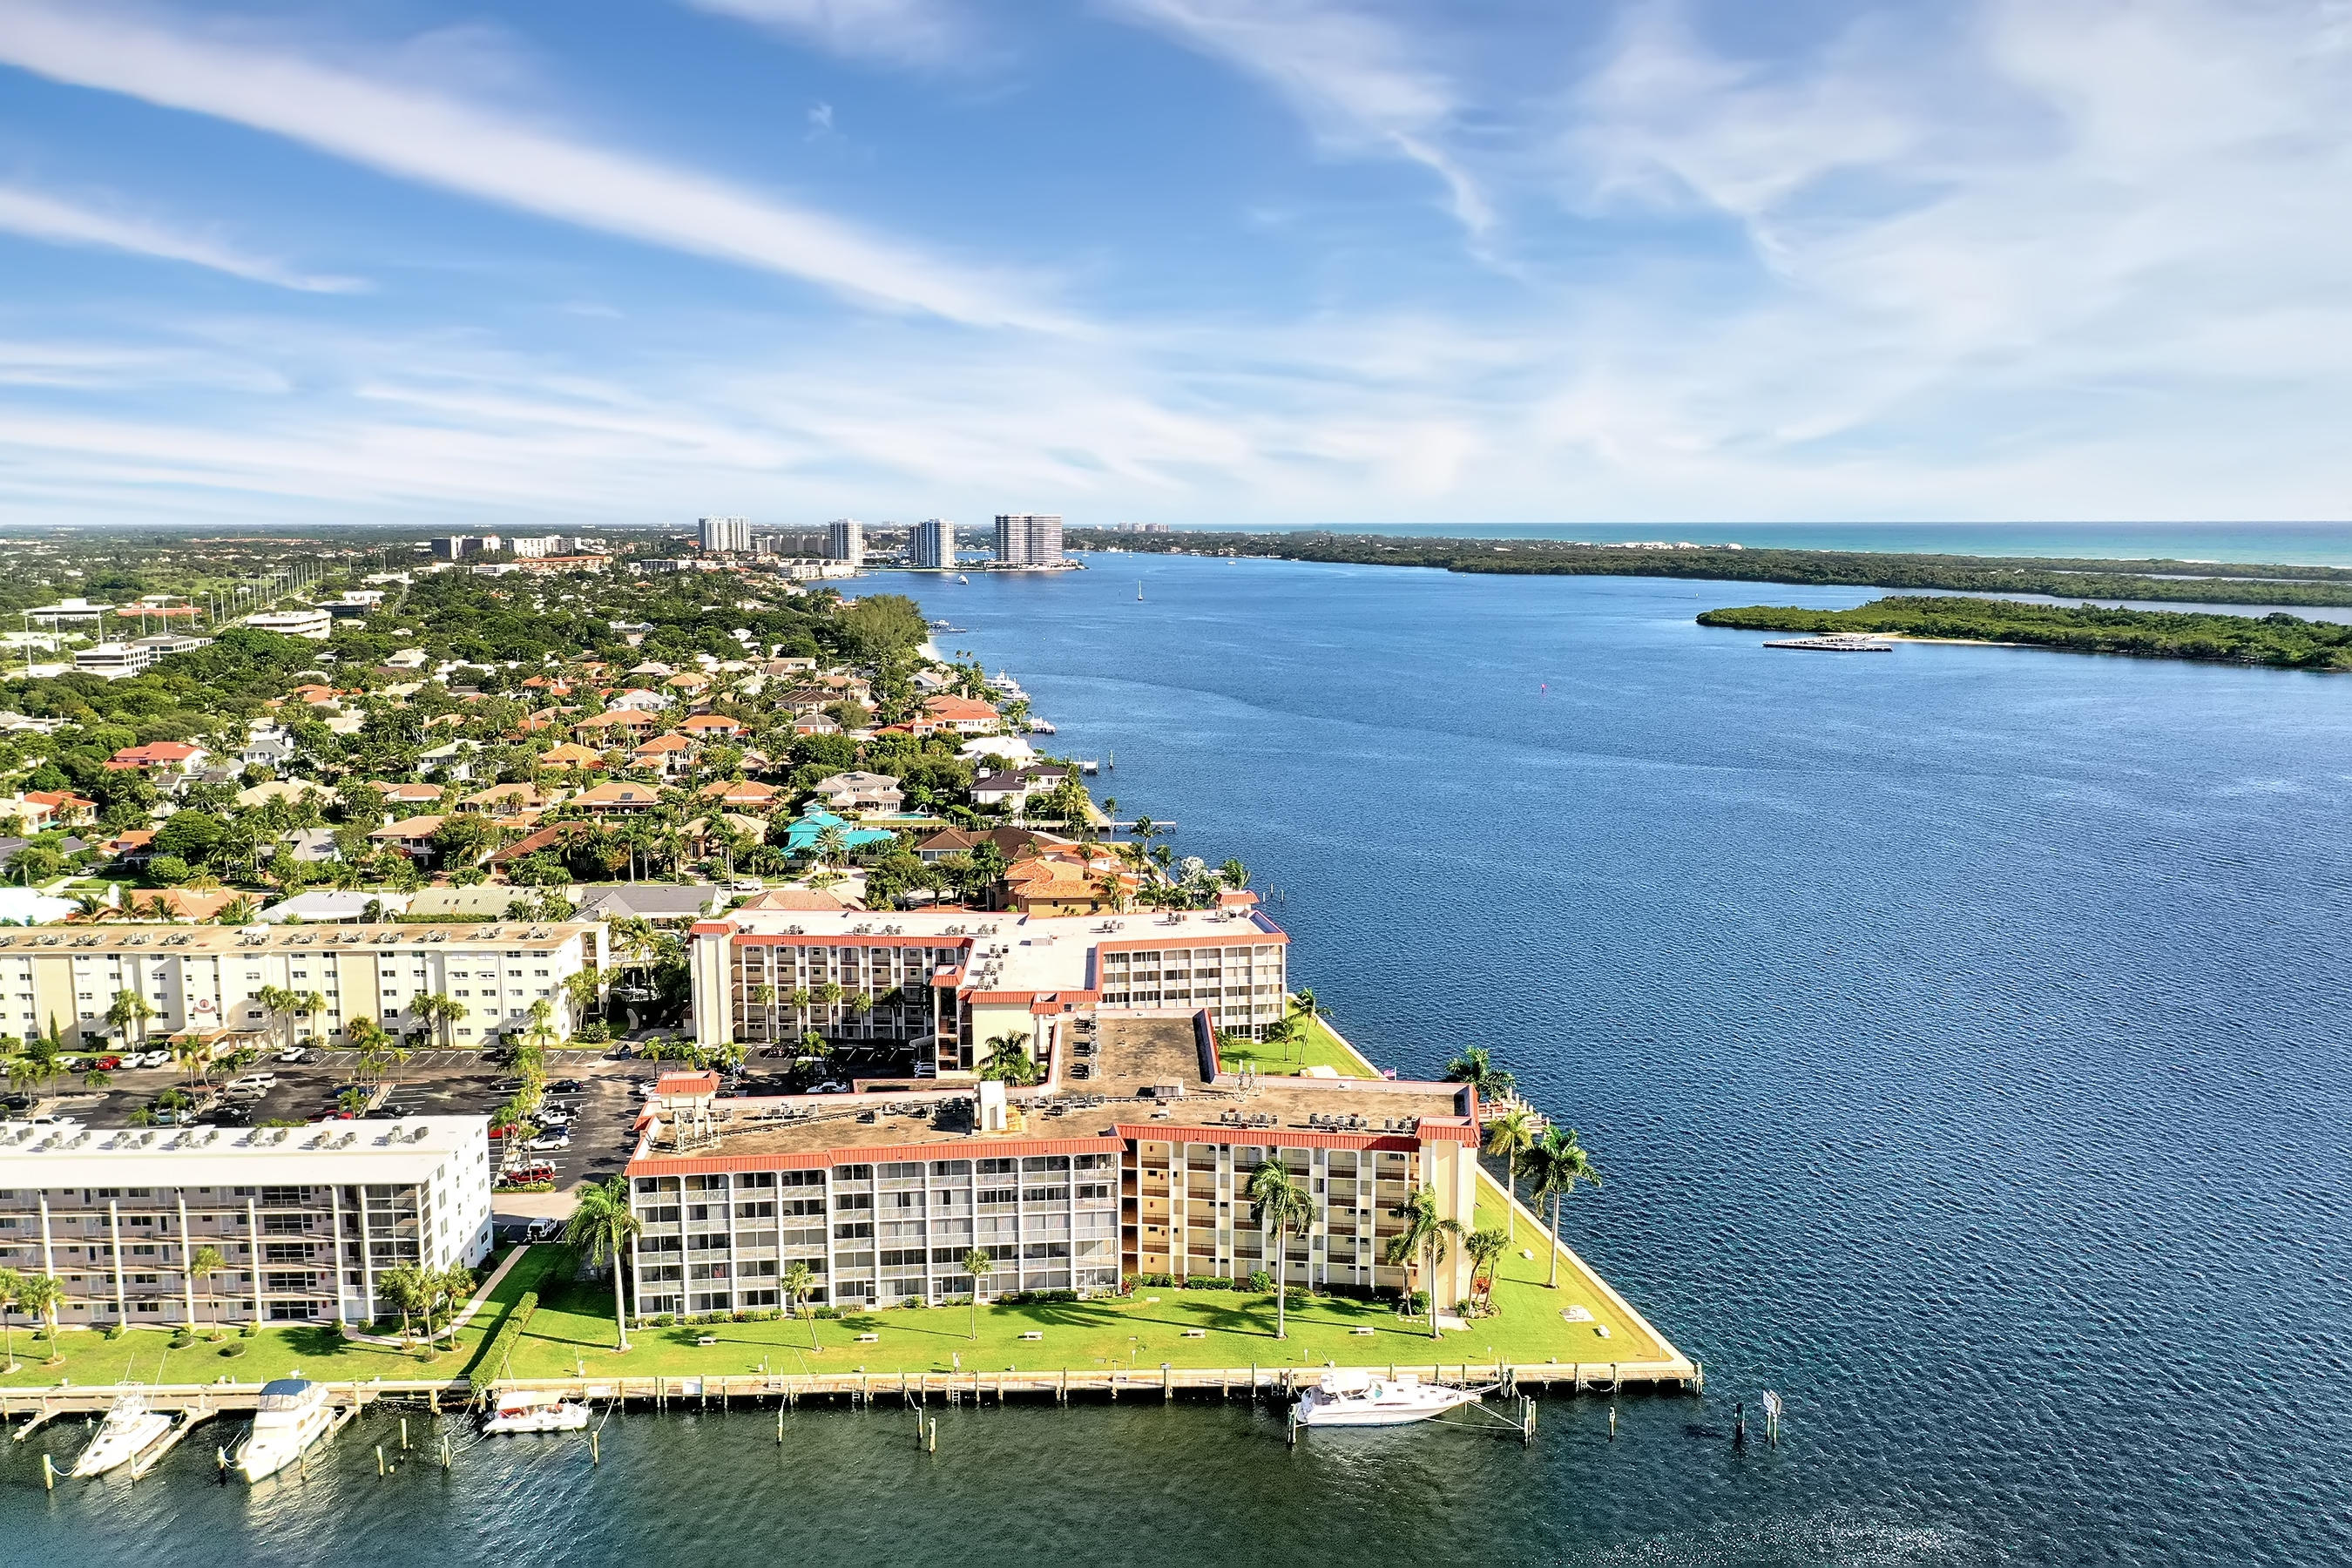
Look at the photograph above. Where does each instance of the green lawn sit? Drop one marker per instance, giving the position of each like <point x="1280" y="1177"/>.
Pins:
<point x="1321" y="1047"/>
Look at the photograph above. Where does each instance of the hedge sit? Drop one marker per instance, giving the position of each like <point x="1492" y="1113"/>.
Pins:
<point x="493" y="1353"/>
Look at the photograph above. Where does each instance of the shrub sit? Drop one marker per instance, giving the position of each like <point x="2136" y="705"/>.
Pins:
<point x="493" y="1353"/>
<point x="662" y="1320"/>
<point x="827" y="1313"/>
<point x="1260" y="1280"/>
<point x="1414" y="1305"/>
<point x="247" y="1330"/>
<point x="774" y="1314"/>
<point x="1207" y="1282"/>
<point x="234" y="1348"/>
<point x="183" y="1339"/>
<point x="114" y="1331"/>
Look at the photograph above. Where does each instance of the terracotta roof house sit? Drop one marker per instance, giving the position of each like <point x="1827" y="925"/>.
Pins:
<point x="409" y="793"/>
<point x="667" y="754"/>
<point x="964" y="715"/>
<point x="739" y="794"/>
<point x="176" y="903"/>
<point x="570" y="754"/>
<point x="1067" y="882"/>
<point x="617" y="721"/>
<point x="810" y="901"/>
<point x="617" y="796"/>
<point x="552" y="836"/>
<point x="64" y="805"/>
<point x="706" y="726"/>
<point x="160" y="760"/>
<point x="506" y="799"/>
<point x="412" y="836"/>
<point x="1012" y="843"/>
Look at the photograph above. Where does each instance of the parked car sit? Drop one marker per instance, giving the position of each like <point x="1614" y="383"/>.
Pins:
<point x="567" y="1086"/>
<point x="525" y="1175"/>
<point x="227" y="1116"/>
<point x="620" y="1053"/>
<point x="291" y="1055"/>
<point x="151" y="1060"/>
<point x="389" y="1111"/>
<point x="257" y="1080"/>
<point x="550" y="1143"/>
<point x="747" y="885"/>
<point x="553" y="1116"/>
<point x="544" y="1229"/>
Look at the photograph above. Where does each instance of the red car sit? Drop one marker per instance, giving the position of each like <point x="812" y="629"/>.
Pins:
<point x="110" y="1064"/>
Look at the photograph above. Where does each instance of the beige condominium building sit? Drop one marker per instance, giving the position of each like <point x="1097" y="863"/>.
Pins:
<point x="208" y="1225"/>
<point x="951" y="980"/>
<point x="211" y="977"/>
<point x="1142" y="1167"/>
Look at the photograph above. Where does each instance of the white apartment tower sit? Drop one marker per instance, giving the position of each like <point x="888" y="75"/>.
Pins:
<point x="722" y="535"/>
<point x="845" y="540"/>
<point x="932" y="544"/>
<point x="1028" y="539"/>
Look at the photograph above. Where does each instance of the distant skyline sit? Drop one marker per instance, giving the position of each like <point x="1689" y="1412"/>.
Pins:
<point x="1200" y="262"/>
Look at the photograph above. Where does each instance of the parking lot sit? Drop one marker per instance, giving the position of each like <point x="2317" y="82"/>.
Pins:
<point x="430" y="1083"/>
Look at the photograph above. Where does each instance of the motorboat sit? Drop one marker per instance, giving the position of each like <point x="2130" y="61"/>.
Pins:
<point x="294" y="1415"/>
<point x="533" y="1410"/>
<point x="131" y="1427"/>
<point x="1353" y="1396"/>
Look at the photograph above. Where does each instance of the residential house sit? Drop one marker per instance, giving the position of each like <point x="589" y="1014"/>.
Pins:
<point x="570" y="756"/>
<point x="856" y="791"/>
<point x="66" y="807"/>
<point x="1068" y="881"/>
<point x="1012" y="788"/>
<point x="711" y="727"/>
<point x="668" y="755"/>
<point x="814" y="900"/>
<point x="801" y="838"/>
<point x="616" y="726"/>
<point x="638" y="698"/>
<point x="410" y="794"/>
<point x="964" y="715"/>
<point x="739" y="794"/>
<point x="506" y="800"/>
<point x="660" y="902"/>
<point x="168" y="764"/>
<point x="1012" y="843"/>
<point x="184" y="904"/>
<point x="412" y="836"/>
<point x="618" y="795"/>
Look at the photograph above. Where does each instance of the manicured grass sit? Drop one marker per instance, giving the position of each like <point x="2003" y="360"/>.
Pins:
<point x="1321" y="1047"/>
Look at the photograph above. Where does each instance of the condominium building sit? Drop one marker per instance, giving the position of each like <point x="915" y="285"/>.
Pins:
<point x="536" y="548"/>
<point x="315" y="624"/>
<point x="949" y="981"/>
<point x="725" y="535"/>
<point x="932" y="546"/>
<point x="113" y="661"/>
<point x="211" y="977"/>
<point x="1143" y="1168"/>
<point x="1028" y="539"/>
<point x="844" y="541"/>
<point x="208" y="1225"/>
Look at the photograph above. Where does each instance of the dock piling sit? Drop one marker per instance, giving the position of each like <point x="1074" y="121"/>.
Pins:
<point x="595" y="1451"/>
<point x="49" y="1473"/>
<point x="379" y="1461"/>
<point x="403" y="1434"/>
<point x="1613" y="1424"/>
<point x="935" y="1434"/>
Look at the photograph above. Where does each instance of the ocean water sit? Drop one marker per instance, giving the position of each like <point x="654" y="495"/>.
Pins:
<point x="1964" y="1033"/>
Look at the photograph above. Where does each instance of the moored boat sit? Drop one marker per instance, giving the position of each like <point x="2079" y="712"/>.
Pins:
<point x="1353" y="1397"/>
<point x="533" y="1410"/>
<point x="293" y="1414"/>
<point x="130" y="1430"/>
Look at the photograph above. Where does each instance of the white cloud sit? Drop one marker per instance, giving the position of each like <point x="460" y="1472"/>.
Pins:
<point x="1351" y="77"/>
<point x="900" y="32"/>
<point x="495" y="157"/>
<point x="39" y="216"/>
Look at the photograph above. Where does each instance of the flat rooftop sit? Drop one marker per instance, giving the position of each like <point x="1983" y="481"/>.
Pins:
<point x="74" y="1155"/>
<point x="1138" y="1054"/>
<point x="1010" y="951"/>
<point x="129" y="936"/>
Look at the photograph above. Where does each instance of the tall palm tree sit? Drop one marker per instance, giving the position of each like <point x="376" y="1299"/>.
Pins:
<point x="1234" y="874"/>
<point x="308" y="1005"/>
<point x="765" y="995"/>
<point x="1511" y="1135"/>
<point x="129" y="1012"/>
<point x="1426" y="1236"/>
<point x="798" y="1285"/>
<point x="404" y="1287"/>
<point x="1485" y="1247"/>
<point x="12" y="1291"/>
<point x="1557" y="1163"/>
<point x="41" y="1295"/>
<point x="276" y="1000"/>
<point x="203" y="1264"/>
<point x="602" y="1226"/>
<point x="977" y="1266"/>
<point x="1009" y="1060"/>
<point x="440" y="1012"/>
<point x="1283" y="1208"/>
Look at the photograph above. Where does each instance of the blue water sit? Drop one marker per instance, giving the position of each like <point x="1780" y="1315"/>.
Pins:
<point x="2290" y="544"/>
<point x="1963" y="1031"/>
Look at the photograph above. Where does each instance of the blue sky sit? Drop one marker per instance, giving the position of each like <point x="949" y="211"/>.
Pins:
<point x="1190" y="261"/>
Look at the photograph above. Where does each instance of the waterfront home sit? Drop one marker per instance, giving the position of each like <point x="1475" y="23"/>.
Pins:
<point x="1141" y="1166"/>
<point x="857" y="790"/>
<point x="305" y="1221"/>
<point x="1012" y="843"/>
<point x="998" y="751"/>
<point x="1069" y="881"/>
<point x="963" y="715"/>
<point x="802" y="837"/>
<point x="1012" y="788"/>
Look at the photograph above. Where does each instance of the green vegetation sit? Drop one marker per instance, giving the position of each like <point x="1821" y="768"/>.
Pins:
<point x="2285" y="641"/>
<point x="2195" y="581"/>
<point x="1312" y="1045"/>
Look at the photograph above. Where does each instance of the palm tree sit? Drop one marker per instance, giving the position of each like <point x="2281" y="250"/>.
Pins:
<point x="977" y="1266"/>
<point x="1556" y="1164"/>
<point x="404" y="1287"/>
<point x="130" y="1011"/>
<point x="1511" y="1135"/>
<point x="1424" y="1235"/>
<point x="765" y="995"/>
<point x="203" y="1264"/>
<point x="41" y="1295"/>
<point x="831" y="845"/>
<point x="12" y="1289"/>
<point x="23" y="1072"/>
<point x="1485" y="1247"/>
<point x="1234" y="874"/>
<point x="1476" y="1067"/>
<point x="91" y="906"/>
<point x="1283" y="1208"/>
<point x="276" y="1000"/>
<point x="798" y="1284"/>
<point x="1009" y="1060"/>
<point x="602" y="1225"/>
<point x="1303" y="1003"/>
<point x="190" y="1052"/>
<point x="439" y="1013"/>
<point x="97" y="1078"/>
<point x="309" y="1005"/>
<point x="241" y="911"/>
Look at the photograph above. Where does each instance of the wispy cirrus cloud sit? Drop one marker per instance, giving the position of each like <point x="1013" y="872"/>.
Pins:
<point x="924" y="33"/>
<point x="39" y="214"/>
<point x="1355" y="79"/>
<point x="480" y="152"/>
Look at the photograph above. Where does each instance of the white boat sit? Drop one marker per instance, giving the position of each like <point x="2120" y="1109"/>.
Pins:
<point x="962" y="579"/>
<point x="1353" y="1397"/>
<point x="130" y="1430"/>
<point x="293" y="1414"/>
<point x="533" y="1410"/>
